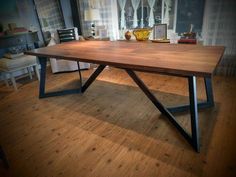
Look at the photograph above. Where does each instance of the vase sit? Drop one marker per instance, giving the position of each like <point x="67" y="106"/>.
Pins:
<point x="128" y="35"/>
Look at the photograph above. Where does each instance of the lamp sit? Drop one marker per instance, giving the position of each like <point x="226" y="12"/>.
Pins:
<point x="92" y="15"/>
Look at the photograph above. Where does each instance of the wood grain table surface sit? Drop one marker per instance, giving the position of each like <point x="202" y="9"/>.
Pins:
<point x="177" y="59"/>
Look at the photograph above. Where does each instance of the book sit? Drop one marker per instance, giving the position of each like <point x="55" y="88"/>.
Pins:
<point x="187" y="41"/>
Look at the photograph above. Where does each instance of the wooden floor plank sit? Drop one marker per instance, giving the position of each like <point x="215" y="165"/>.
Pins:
<point x="114" y="130"/>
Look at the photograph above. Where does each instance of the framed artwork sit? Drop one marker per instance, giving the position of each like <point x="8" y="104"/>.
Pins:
<point x="103" y="33"/>
<point x="160" y="31"/>
<point x="98" y="28"/>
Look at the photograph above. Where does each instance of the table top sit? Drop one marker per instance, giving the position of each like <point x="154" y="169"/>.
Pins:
<point x="177" y="59"/>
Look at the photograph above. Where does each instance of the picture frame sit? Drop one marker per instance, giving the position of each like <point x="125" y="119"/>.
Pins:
<point x="160" y="31"/>
<point x="103" y="33"/>
<point x="98" y="28"/>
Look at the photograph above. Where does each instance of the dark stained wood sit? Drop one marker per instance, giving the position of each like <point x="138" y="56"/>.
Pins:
<point x="145" y="56"/>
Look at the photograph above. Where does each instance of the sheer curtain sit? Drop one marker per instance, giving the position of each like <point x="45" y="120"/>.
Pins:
<point x="151" y="20"/>
<point x="167" y="5"/>
<point x="122" y="7"/>
<point x="110" y="18"/>
<point x="135" y="4"/>
<point x="219" y="26"/>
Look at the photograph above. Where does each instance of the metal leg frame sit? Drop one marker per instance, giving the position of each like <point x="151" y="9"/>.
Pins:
<point x="3" y="158"/>
<point x="81" y="89"/>
<point x="206" y="104"/>
<point x="193" y="139"/>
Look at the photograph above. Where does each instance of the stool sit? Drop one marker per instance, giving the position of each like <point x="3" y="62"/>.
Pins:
<point x="9" y="66"/>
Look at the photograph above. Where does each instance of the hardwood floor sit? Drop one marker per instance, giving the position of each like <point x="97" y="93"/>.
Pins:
<point x="114" y="130"/>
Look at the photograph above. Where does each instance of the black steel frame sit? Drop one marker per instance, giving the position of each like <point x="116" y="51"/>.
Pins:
<point x="82" y="87"/>
<point x="192" y="138"/>
<point x="4" y="158"/>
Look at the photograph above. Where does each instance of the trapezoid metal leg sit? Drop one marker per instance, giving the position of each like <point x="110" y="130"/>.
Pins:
<point x="205" y="104"/>
<point x="209" y="91"/>
<point x="42" y="83"/>
<point x="93" y="77"/>
<point x="194" y="112"/>
<point x="80" y="76"/>
<point x="3" y="158"/>
<point x="43" y="63"/>
<point x="192" y="139"/>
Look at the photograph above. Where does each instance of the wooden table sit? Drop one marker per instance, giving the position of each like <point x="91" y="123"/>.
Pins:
<point x="188" y="61"/>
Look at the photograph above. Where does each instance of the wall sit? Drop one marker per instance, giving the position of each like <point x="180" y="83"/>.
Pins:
<point x="190" y="12"/>
<point x="23" y="14"/>
<point x="66" y="9"/>
<point x="20" y="12"/>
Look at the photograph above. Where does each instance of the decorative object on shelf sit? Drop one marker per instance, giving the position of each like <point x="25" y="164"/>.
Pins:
<point x="128" y="35"/>
<point x="92" y="15"/>
<point x="174" y="37"/>
<point x="160" y="31"/>
<point x="188" y="37"/>
<point x="12" y="26"/>
<point x="142" y="34"/>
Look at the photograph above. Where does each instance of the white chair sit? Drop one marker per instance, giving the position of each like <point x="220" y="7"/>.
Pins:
<point x="60" y="65"/>
<point x="9" y="66"/>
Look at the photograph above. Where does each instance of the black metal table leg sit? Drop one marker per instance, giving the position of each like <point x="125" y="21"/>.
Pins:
<point x="43" y="64"/>
<point x="206" y="104"/>
<point x="42" y="93"/>
<point x="80" y="76"/>
<point x="93" y="77"/>
<point x="3" y="158"/>
<point x="192" y="139"/>
<point x="209" y="91"/>
<point x="194" y="112"/>
<point x="81" y="89"/>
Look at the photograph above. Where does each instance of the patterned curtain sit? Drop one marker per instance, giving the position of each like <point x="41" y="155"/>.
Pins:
<point x="135" y="4"/>
<point x="122" y="19"/>
<point x="151" y="20"/>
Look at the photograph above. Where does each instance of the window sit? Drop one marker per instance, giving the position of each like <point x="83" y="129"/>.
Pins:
<point x="130" y="14"/>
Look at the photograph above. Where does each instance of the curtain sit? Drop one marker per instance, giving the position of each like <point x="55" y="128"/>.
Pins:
<point x="110" y="13"/>
<point x="135" y="4"/>
<point x="122" y="7"/>
<point x="151" y="20"/>
<point x="166" y="11"/>
<point x="109" y="17"/>
<point x="94" y="4"/>
<point x="219" y="26"/>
